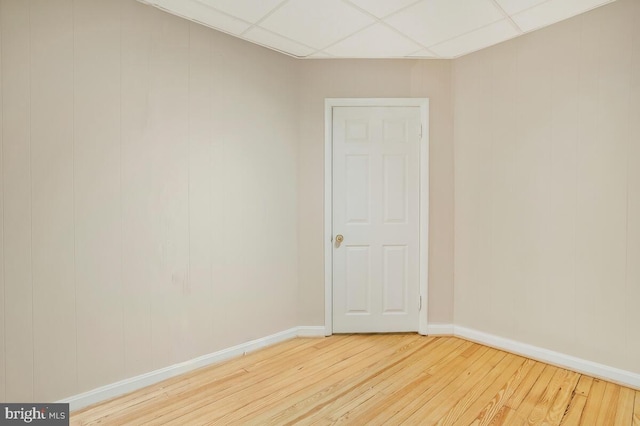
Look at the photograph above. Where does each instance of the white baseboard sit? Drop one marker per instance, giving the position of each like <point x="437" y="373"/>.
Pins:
<point x="311" y="331"/>
<point x="113" y="390"/>
<point x="590" y="368"/>
<point x="439" y="329"/>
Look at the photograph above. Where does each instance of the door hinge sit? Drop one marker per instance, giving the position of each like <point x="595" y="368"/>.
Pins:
<point x="420" y="303"/>
<point x="420" y="135"/>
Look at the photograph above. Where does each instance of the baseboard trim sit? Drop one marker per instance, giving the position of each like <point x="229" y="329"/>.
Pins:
<point x="122" y="387"/>
<point x="590" y="368"/>
<point x="601" y="371"/>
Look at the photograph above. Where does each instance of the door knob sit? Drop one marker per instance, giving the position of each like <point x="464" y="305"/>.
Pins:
<point x="339" y="239"/>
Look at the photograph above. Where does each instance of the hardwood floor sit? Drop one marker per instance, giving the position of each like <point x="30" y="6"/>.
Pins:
<point x="374" y="380"/>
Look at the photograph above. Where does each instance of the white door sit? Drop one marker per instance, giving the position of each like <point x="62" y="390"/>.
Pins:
<point x="376" y="215"/>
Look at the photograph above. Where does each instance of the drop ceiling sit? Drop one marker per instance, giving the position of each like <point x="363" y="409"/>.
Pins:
<point x="376" y="28"/>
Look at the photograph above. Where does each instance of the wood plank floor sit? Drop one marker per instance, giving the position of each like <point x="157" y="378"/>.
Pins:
<point x="374" y="380"/>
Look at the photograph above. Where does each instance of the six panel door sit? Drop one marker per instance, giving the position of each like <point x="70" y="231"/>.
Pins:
<point x="376" y="207"/>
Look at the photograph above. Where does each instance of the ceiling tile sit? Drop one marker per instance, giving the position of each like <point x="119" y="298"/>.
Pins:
<point x="349" y="28"/>
<point x="434" y="21"/>
<point x="376" y="41"/>
<point x="316" y="23"/>
<point x="382" y="8"/>
<point x="515" y="6"/>
<point x="249" y="10"/>
<point x="553" y="11"/>
<point x="196" y="11"/>
<point x="476" y="40"/>
<point x="269" y="39"/>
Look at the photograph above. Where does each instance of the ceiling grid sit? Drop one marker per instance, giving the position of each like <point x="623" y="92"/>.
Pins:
<point x="376" y="28"/>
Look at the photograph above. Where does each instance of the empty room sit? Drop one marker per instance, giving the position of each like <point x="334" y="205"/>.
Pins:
<point x="279" y="212"/>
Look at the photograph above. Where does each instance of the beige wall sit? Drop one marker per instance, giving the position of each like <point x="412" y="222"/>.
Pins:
<point x="322" y="79"/>
<point x="547" y="187"/>
<point x="148" y="193"/>
<point x="162" y="189"/>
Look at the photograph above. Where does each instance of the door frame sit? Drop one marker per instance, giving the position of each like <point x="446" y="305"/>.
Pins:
<point x="423" y="250"/>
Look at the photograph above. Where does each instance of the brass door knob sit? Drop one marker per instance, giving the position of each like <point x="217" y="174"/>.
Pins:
<point x="339" y="239"/>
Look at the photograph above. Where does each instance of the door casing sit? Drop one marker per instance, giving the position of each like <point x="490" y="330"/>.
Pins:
<point x="423" y="251"/>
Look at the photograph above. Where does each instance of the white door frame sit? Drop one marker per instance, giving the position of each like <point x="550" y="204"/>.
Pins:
<point x="423" y="251"/>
